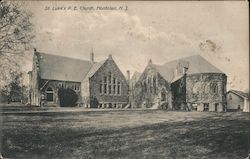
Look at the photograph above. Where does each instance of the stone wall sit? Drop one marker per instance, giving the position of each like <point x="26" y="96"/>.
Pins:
<point x="112" y="98"/>
<point x="178" y="89"/>
<point x="55" y="86"/>
<point x="151" y="90"/>
<point x="234" y="101"/>
<point x="206" y="89"/>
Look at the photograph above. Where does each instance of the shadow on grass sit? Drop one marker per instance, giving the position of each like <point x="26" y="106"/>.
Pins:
<point x="219" y="137"/>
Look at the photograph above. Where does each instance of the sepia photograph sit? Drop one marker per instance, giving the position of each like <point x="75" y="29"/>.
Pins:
<point x="124" y="80"/>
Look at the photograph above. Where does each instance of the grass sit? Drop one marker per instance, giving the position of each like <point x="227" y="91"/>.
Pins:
<point x="124" y="134"/>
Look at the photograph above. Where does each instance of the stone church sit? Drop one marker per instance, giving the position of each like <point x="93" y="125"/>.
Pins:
<point x="63" y="81"/>
<point x="190" y="83"/>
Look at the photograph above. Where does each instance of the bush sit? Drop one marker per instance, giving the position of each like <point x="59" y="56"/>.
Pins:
<point x="67" y="97"/>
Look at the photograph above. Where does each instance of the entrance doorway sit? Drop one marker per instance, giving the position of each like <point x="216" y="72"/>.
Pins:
<point x="216" y="107"/>
<point x="49" y="94"/>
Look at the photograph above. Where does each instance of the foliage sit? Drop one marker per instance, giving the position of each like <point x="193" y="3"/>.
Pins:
<point x="16" y="34"/>
<point x="67" y="97"/>
<point x="15" y="91"/>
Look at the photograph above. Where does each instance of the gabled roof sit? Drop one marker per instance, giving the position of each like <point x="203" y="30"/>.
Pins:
<point x="240" y="93"/>
<point x="166" y="72"/>
<point x="196" y="64"/>
<point x="54" y="67"/>
<point x="95" y="67"/>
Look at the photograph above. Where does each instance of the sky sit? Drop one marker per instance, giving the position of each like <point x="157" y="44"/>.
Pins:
<point x="139" y="31"/>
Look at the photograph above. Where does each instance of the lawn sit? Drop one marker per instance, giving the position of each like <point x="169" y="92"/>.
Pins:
<point x="62" y="133"/>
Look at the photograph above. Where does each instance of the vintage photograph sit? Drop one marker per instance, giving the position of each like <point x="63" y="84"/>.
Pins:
<point x="124" y="79"/>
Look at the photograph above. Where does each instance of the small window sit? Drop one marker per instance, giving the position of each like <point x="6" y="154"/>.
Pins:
<point x="230" y="97"/>
<point x="206" y="106"/>
<point x="100" y="89"/>
<point x="105" y="88"/>
<point x="238" y="107"/>
<point x="119" y="88"/>
<point x="194" y="105"/>
<point x="114" y="89"/>
<point x="214" y="88"/>
<point x="114" y="80"/>
<point x="109" y="79"/>
<point x="105" y="79"/>
<point x="110" y="89"/>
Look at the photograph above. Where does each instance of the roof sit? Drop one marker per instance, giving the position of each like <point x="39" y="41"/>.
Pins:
<point x="177" y="78"/>
<point x="54" y="67"/>
<point x="240" y="93"/>
<point x="94" y="68"/>
<point x="196" y="64"/>
<point x="136" y="76"/>
<point x="166" y="72"/>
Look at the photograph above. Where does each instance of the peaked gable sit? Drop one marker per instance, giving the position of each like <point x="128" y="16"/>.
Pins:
<point x="103" y="65"/>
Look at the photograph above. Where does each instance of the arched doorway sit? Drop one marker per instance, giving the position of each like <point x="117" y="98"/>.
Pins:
<point x="49" y="94"/>
<point x="67" y="97"/>
<point x="163" y="95"/>
<point x="164" y="103"/>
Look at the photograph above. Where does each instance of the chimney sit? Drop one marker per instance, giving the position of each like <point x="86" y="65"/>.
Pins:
<point x="176" y="72"/>
<point x="128" y="81"/>
<point x="128" y="75"/>
<point x="150" y="61"/>
<point x="110" y="56"/>
<point x="92" y="56"/>
<point x="184" y="70"/>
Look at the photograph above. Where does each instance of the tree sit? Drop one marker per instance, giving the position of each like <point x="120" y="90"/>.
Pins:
<point x="16" y="34"/>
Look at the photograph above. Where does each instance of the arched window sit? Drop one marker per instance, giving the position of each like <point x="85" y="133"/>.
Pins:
<point x="214" y="88"/>
<point x="118" y="88"/>
<point x="105" y="84"/>
<point x="109" y="78"/>
<point x="49" y="94"/>
<point x="100" y="89"/>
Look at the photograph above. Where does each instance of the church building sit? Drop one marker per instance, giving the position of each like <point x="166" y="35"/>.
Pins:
<point x="63" y="81"/>
<point x="190" y="83"/>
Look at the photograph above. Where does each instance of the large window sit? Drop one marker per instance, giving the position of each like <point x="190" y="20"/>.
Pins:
<point x="110" y="85"/>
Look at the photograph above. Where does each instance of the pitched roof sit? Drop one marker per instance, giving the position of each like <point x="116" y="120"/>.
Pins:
<point x="240" y="93"/>
<point x="54" y="67"/>
<point x="166" y="72"/>
<point x="196" y="64"/>
<point x="94" y="68"/>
